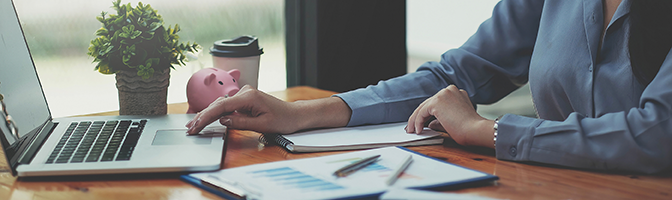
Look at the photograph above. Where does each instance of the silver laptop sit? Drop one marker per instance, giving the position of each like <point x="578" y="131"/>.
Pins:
<point x="37" y="145"/>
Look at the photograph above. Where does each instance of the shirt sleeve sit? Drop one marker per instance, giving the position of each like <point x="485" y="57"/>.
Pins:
<point x="490" y="65"/>
<point x="637" y="139"/>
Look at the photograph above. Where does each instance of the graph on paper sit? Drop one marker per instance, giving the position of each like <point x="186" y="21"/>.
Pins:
<point x="290" y="178"/>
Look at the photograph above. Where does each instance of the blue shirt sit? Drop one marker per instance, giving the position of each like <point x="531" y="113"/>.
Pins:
<point x="593" y="112"/>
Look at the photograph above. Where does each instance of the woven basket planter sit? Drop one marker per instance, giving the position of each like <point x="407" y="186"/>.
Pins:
<point x="139" y="96"/>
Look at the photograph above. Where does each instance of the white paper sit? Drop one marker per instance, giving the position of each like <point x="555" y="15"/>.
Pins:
<point x="372" y="134"/>
<point x="312" y="178"/>
<point x="402" y="194"/>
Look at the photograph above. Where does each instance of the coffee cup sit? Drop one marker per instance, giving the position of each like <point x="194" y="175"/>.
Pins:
<point x="242" y="53"/>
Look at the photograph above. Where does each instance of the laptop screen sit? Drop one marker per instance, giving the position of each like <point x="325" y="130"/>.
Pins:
<point x="19" y="85"/>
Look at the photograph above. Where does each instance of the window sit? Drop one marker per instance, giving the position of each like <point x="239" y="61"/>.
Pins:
<point x="58" y="34"/>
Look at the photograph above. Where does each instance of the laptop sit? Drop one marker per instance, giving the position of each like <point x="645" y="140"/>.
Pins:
<point x="35" y="144"/>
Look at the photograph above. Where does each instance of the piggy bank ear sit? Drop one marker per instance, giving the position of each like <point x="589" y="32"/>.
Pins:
<point x="209" y="79"/>
<point x="235" y="74"/>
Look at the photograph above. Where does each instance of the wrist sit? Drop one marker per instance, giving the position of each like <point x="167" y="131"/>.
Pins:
<point x="321" y="113"/>
<point x="483" y="133"/>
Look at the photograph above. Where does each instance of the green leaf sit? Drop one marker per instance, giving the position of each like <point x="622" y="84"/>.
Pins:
<point x="104" y="68"/>
<point x="101" y="32"/>
<point x="107" y="50"/>
<point x="153" y="26"/>
<point x="165" y="50"/>
<point x="145" y="72"/>
<point x="136" y="34"/>
<point x="126" y="59"/>
<point x="148" y="35"/>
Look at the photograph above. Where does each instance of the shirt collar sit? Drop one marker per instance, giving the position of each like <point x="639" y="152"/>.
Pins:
<point x="621" y="11"/>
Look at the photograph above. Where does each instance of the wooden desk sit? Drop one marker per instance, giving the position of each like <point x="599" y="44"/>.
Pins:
<point x="517" y="180"/>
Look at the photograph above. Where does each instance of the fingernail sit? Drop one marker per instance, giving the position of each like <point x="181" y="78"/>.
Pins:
<point x="190" y="123"/>
<point x="227" y="122"/>
<point x="193" y="126"/>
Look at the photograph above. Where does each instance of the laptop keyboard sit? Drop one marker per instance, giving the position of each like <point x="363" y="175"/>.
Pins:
<point x="98" y="141"/>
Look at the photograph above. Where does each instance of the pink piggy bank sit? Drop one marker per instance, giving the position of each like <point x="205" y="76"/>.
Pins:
<point x="206" y="85"/>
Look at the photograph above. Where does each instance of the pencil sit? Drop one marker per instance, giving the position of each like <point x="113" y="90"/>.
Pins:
<point x="395" y="175"/>
<point x="348" y="169"/>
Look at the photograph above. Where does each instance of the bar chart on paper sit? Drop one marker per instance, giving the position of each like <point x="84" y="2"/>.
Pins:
<point x="291" y="179"/>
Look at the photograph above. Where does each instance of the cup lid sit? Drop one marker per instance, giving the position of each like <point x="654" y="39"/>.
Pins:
<point x="242" y="46"/>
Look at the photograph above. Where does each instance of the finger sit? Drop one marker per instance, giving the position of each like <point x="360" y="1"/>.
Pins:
<point x="436" y="125"/>
<point x="244" y="88"/>
<point x="191" y="122"/>
<point x="226" y="121"/>
<point x="410" y="126"/>
<point x="244" y="122"/>
<point x="421" y="118"/>
<point x="452" y="88"/>
<point x="220" y="107"/>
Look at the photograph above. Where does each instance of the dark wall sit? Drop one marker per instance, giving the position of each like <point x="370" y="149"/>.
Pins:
<point x="341" y="45"/>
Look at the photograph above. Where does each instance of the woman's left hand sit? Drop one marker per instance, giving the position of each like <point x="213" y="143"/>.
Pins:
<point x="454" y="114"/>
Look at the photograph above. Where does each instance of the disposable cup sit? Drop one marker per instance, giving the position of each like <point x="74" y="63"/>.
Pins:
<point x="242" y="53"/>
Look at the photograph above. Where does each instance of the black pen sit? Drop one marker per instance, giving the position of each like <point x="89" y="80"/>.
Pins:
<point x="345" y="171"/>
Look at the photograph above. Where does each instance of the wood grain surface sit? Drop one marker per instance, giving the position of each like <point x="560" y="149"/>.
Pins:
<point x="517" y="180"/>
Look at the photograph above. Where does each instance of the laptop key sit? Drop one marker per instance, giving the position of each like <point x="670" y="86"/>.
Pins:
<point x="107" y="157"/>
<point x="62" y="160"/>
<point x="77" y="159"/>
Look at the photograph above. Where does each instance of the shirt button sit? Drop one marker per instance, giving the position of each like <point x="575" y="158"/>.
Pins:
<point x="513" y="151"/>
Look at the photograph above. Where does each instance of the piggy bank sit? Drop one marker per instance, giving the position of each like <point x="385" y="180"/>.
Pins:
<point x="206" y="85"/>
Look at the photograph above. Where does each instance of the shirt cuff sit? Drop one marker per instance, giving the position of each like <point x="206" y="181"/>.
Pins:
<point x="365" y="105"/>
<point x="514" y="137"/>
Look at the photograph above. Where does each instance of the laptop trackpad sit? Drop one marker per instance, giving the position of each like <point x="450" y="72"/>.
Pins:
<point x="178" y="137"/>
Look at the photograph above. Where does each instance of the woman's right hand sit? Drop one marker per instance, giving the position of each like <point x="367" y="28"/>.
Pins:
<point x="251" y="109"/>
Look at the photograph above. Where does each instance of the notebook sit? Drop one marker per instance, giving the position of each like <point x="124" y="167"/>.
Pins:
<point x="312" y="178"/>
<point x="349" y="138"/>
<point x="35" y="144"/>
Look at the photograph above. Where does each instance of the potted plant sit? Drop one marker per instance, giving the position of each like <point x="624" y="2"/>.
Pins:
<point x="136" y="47"/>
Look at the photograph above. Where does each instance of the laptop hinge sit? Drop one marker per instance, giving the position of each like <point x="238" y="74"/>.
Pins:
<point x="36" y="143"/>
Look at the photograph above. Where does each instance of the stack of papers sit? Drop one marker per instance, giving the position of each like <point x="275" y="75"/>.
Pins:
<point x="313" y="178"/>
<point x="359" y="137"/>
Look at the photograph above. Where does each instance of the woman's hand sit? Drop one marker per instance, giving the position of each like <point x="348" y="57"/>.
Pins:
<point x="251" y="109"/>
<point x="454" y="114"/>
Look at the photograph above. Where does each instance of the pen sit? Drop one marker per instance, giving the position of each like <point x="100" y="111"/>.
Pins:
<point x="348" y="169"/>
<point x="395" y="175"/>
